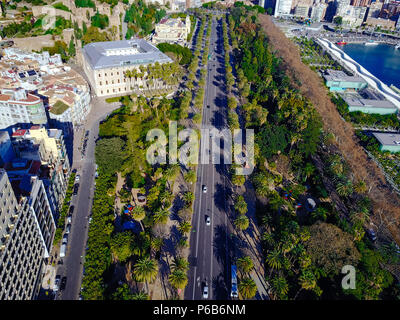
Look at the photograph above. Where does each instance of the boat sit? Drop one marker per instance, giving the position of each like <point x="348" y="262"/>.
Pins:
<point x="341" y="43"/>
<point x="371" y="43"/>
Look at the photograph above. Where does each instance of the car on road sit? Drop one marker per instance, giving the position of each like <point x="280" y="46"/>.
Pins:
<point x="208" y="106"/>
<point x="71" y="210"/>
<point x="65" y="239"/>
<point x="77" y="177"/>
<point x="208" y="220"/>
<point x="68" y="228"/>
<point x="204" y="189"/>
<point x="56" y="285"/>
<point x="76" y="187"/>
<point x="69" y="219"/>
<point x="205" y="292"/>
<point x="63" y="283"/>
<point x="87" y="133"/>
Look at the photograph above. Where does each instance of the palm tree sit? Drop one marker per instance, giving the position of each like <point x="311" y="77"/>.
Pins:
<point x="360" y="187"/>
<point x="280" y="286"/>
<point x="180" y="263"/>
<point x="161" y="216"/>
<point x="185" y="227"/>
<point x="178" y="279"/>
<point x="307" y="280"/>
<point x="145" y="270"/>
<point x="140" y="296"/>
<point x="190" y="176"/>
<point x="138" y="213"/>
<point x="165" y="198"/>
<point x="171" y="172"/>
<point x="344" y="189"/>
<point x="274" y="259"/>
<point x="245" y="264"/>
<point x="247" y="288"/>
<point x="241" y="205"/>
<point x="308" y="170"/>
<point x="188" y="197"/>
<point x="157" y="243"/>
<point x="242" y="222"/>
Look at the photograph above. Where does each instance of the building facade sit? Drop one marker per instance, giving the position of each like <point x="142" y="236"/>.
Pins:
<point x="172" y="31"/>
<point x="105" y="64"/>
<point x="22" y="247"/>
<point x="18" y="106"/>
<point x="282" y="7"/>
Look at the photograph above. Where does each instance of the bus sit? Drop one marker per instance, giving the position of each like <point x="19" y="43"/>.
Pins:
<point x="234" y="290"/>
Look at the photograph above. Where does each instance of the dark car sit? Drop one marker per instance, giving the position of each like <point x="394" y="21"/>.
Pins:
<point x="63" y="283"/>
<point x="71" y="210"/>
<point x="76" y="187"/>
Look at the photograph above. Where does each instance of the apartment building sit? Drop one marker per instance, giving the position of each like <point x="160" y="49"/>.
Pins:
<point x="22" y="246"/>
<point x="282" y="7"/>
<point x="42" y="152"/>
<point x="17" y="106"/>
<point x="105" y="64"/>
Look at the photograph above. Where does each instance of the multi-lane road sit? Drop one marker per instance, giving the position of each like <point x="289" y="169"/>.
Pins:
<point x="210" y="246"/>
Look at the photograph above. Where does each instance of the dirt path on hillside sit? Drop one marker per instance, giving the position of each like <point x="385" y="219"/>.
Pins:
<point x="383" y="198"/>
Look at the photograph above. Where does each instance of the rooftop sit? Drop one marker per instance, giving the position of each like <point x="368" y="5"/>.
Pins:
<point x="387" y="139"/>
<point x="368" y="103"/>
<point x="336" y="75"/>
<point x="59" y="107"/>
<point x="122" y="53"/>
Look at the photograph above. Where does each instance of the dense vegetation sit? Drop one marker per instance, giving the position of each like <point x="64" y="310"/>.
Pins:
<point x="100" y="21"/>
<point x="294" y="156"/>
<point x="141" y="18"/>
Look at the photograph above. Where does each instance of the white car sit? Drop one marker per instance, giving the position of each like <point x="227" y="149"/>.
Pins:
<point x="77" y="177"/>
<point x="208" y="220"/>
<point x="69" y="219"/>
<point x="204" y="189"/>
<point x="205" y="292"/>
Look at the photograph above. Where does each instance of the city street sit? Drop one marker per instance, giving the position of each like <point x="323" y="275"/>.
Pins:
<point x="72" y="266"/>
<point x="210" y="254"/>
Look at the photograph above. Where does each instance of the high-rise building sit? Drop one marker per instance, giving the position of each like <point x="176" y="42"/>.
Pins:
<point x="341" y="7"/>
<point x="282" y="7"/>
<point x="22" y="244"/>
<point x="360" y="3"/>
<point x="318" y="12"/>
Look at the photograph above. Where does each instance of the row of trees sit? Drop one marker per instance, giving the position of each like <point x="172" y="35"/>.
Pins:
<point x="156" y="75"/>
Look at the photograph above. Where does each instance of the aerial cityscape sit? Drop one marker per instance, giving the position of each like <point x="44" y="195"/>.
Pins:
<point x="195" y="150"/>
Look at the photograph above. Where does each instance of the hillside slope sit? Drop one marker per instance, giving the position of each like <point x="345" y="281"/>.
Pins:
<point x="386" y="203"/>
